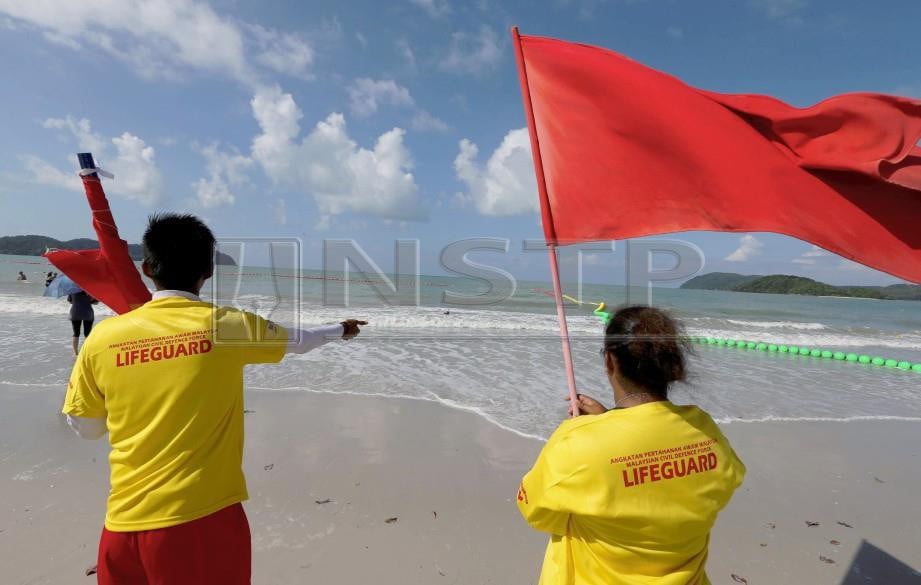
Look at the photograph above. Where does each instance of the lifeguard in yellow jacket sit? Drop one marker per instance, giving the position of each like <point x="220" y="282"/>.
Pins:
<point x="629" y="495"/>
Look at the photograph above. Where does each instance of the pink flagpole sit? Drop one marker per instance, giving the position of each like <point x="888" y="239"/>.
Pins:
<point x="564" y="329"/>
<point x="547" y="220"/>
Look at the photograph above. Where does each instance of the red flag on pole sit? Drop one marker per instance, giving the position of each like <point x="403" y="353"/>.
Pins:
<point x="623" y="151"/>
<point x="108" y="273"/>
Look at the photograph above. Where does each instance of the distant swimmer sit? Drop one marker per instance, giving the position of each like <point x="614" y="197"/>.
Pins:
<point x="446" y="313"/>
<point x="165" y="380"/>
<point x="630" y="494"/>
<point x="22" y="276"/>
<point x="49" y="277"/>
<point x="81" y="311"/>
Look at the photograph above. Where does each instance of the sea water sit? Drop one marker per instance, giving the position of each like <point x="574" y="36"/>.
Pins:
<point x="503" y="362"/>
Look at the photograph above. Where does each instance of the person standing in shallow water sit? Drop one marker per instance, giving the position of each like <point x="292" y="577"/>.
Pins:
<point x="630" y="494"/>
<point x="81" y="312"/>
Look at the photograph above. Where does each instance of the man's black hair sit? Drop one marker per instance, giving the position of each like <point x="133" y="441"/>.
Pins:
<point x="178" y="250"/>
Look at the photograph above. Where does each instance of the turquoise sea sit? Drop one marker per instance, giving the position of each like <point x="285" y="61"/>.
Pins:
<point x="503" y="360"/>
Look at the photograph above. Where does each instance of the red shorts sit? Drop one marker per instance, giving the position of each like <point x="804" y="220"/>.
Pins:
<point x="214" y="550"/>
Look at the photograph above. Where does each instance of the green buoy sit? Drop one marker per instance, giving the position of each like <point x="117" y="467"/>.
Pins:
<point x="813" y="352"/>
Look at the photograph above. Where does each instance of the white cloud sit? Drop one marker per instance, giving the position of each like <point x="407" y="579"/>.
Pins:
<point x="426" y="122"/>
<point x="473" y="53"/>
<point x="405" y="50"/>
<point x="809" y="257"/>
<point x="749" y="246"/>
<point x="362" y="40"/>
<point x="781" y="10"/>
<point x="675" y="32"/>
<point x="846" y="265"/>
<point x="366" y="95"/>
<point x="327" y="164"/>
<point x="161" y="38"/>
<point x="132" y="162"/>
<point x="434" y="8"/>
<point x="81" y="129"/>
<point x="282" y="52"/>
<point x="506" y="186"/>
<point x="585" y="9"/>
<point x="225" y="171"/>
<point x="45" y="173"/>
<point x="136" y="170"/>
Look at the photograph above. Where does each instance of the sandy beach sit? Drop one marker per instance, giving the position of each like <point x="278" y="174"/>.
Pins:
<point x="352" y="489"/>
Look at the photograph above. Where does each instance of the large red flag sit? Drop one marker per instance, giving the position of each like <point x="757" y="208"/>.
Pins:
<point x="108" y="273"/>
<point x="622" y="151"/>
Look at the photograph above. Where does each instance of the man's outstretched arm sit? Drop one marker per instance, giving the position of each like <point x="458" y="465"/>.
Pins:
<point x="304" y="340"/>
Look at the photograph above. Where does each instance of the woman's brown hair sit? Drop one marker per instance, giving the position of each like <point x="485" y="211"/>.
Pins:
<point x="648" y="346"/>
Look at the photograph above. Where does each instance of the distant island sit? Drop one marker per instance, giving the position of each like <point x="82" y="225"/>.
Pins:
<point x="783" y="284"/>
<point x="34" y="245"/>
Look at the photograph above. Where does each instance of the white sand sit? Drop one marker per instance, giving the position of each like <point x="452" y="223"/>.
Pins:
<point x="450" y="479"/>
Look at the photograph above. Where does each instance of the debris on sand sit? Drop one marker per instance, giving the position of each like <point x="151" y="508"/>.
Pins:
<point x="391" y="520"/>
<point x="811" y="523"/>
<point x="90" y="571"/>
<point x="834" y="542"/>
<point x="826" y="560"/>
<point x="845" y="524"/>
<point x="739" y="579"/>
<point x="269" y="467"/>
<point x="321" y="502"/>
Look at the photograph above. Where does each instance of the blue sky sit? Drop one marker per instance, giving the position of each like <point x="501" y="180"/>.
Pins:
<point x="382" y="120"/>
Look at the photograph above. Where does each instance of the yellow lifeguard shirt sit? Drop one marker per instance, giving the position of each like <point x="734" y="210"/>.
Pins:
<point x="168" y="377"/>
<point x="629" y="496"/>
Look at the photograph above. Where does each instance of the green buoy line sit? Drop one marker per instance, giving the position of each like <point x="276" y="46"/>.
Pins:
<point x="807" y="351"/>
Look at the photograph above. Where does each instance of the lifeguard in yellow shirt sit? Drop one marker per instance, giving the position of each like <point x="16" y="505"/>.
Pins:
<point x="166" y="381"/>
<point x="629" y="495"/>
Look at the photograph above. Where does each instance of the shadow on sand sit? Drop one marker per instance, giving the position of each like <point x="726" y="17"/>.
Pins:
<point x="873" y="565"/>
